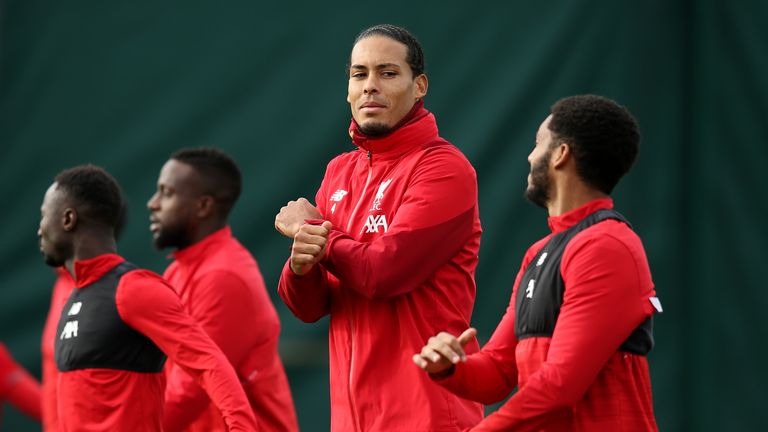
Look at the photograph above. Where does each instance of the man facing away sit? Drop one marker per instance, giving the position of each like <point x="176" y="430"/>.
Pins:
<point x="221" y="287"/>
<point x="120" y="321"/>
<point x="578" y="327"/>
<point x="390" y="251"/>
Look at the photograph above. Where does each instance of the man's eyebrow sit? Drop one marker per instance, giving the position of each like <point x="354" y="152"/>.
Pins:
<point x="378" y="66"/>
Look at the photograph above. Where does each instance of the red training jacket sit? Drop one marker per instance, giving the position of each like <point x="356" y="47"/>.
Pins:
<point x="221" y="287"/>
<point x="399" y="266"/>
<point x="577" y="380"/>
<point x="118" y="400"/>
<point x="17" y="386"/>
<point x="61" y="289"/>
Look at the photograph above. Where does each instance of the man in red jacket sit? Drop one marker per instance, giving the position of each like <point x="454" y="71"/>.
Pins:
<point x="390" y="250"/>
<point x="221" y="287"/>
<point x="578" y="327"/>
<point x="120" y="321"/>
<point x="17" y="386"/>
<point x="62" y="288"/>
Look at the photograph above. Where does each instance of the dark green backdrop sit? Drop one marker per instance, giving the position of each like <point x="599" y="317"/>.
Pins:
<point x="123" y="84"/>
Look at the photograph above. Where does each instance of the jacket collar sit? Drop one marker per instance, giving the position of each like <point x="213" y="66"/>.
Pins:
<point x="417" y="128"/>
<point x="194" y="253"/>
<point x="566" y="220"/>
<point x="90" y="270"/>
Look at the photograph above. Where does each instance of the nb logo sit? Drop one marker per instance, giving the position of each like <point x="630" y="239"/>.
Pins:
<point x="70" y="330"/>
<point x="338" y="195"/>
<point x="75" y="309"/>
<point x="375" y="222"/>
<point x="529" y="289"/>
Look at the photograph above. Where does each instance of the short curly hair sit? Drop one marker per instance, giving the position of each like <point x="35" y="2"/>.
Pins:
<point x="414" y="56"/>
<point x="95" y="193"/>
<point x="222" y="177"/>
<point x="603" y="136"/>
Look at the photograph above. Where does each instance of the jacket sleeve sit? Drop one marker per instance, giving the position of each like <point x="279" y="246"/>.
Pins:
<point x="434" y="221"/>
<point x="220" y="303"/>
<point x="18" y="387"/>
<point x="603" y="304"/>
<point x="490" y="375"/>
<point x="149" y="305"/>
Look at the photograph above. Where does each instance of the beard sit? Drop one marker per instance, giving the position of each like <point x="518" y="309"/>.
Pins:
<point x="57" y="257"/>
<point x="538" y="191"/>
<point x="375" y="129"/>
<point x="173" y="237"/>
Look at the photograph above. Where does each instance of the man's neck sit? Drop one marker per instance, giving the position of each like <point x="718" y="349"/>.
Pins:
<point x="571" y="196"/>
<point x="90" y="245"/>
<point x="204" y="230"/>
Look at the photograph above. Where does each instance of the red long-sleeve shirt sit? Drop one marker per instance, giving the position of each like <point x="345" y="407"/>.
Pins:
<point x="221" y="287"/>
<point x="17" y="386"/>
<point x="61" y="289"/>
<point x="399" y="266"/>
<point x="577" y="380"/>
<point x="104" y="399"/>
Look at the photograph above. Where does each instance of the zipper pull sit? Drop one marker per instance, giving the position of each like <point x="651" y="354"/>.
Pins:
<point x="370" y="160"/>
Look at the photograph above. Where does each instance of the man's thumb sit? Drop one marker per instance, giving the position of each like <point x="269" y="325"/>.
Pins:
<point x="467" y="336"/>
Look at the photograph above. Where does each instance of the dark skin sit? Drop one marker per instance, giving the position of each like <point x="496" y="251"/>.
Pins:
<point x="182" y="212"/>
<point x="66" y="235"/>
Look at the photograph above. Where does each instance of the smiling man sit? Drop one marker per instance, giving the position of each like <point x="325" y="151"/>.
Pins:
<point x="390" y="249"/>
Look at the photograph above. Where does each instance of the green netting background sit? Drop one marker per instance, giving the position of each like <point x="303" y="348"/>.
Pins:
<point x="123" y="84"/>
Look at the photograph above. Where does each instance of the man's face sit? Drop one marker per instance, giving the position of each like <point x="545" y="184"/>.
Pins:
<point x="381" y="88"/>
<point x="173" y="206"/>
<point x="55" y="241"/>
<point x="539" y="183"/>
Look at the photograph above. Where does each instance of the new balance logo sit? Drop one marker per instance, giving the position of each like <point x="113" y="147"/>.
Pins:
<point x="529" y="289"/>
<point x="375" y="222"/>
<point x="70" y="330"/>
<point x="338" y="195"/>
<point x="75" y="309"/>
<point x="380" y="195"/>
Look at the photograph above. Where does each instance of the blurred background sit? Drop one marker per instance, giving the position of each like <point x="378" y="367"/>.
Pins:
<point x="124" y="84"/>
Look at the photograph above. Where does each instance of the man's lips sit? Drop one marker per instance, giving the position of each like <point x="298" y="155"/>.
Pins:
<point x="372" y="107"/>
<point x="154" y="225"/>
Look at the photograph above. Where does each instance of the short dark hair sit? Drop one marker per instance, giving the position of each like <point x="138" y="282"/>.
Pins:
<point x="415" y="55"/>
<point x="96" y="194"/>
<point x="603" y="136"/>
<point x="222" y="178"/>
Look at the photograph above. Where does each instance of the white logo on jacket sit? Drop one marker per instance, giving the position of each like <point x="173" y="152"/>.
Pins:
<point x="336" y="197"/>
<point x="75" y="309"/>
<point x="376" y="206"/>
<point x="70" y="330"/>
<point x="529" y="289"/>
<point x="374" y="222"/>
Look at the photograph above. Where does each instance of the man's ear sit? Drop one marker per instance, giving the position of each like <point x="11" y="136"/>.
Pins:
<point x="205" y="206"/>
<point x="561" y="155"/>
<point x="422" y="84"/>
<point x="69" y="219"/>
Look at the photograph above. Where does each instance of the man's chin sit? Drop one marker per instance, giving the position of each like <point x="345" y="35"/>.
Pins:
<point x="374" y="128"/>
<point x="52" y="261"/>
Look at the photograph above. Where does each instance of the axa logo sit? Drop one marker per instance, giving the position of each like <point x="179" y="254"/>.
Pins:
<point x="529" y="288"/>
<point x="375" y="222"/>
<point x="376" y="206"/>
<point x="70" y="330"/>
